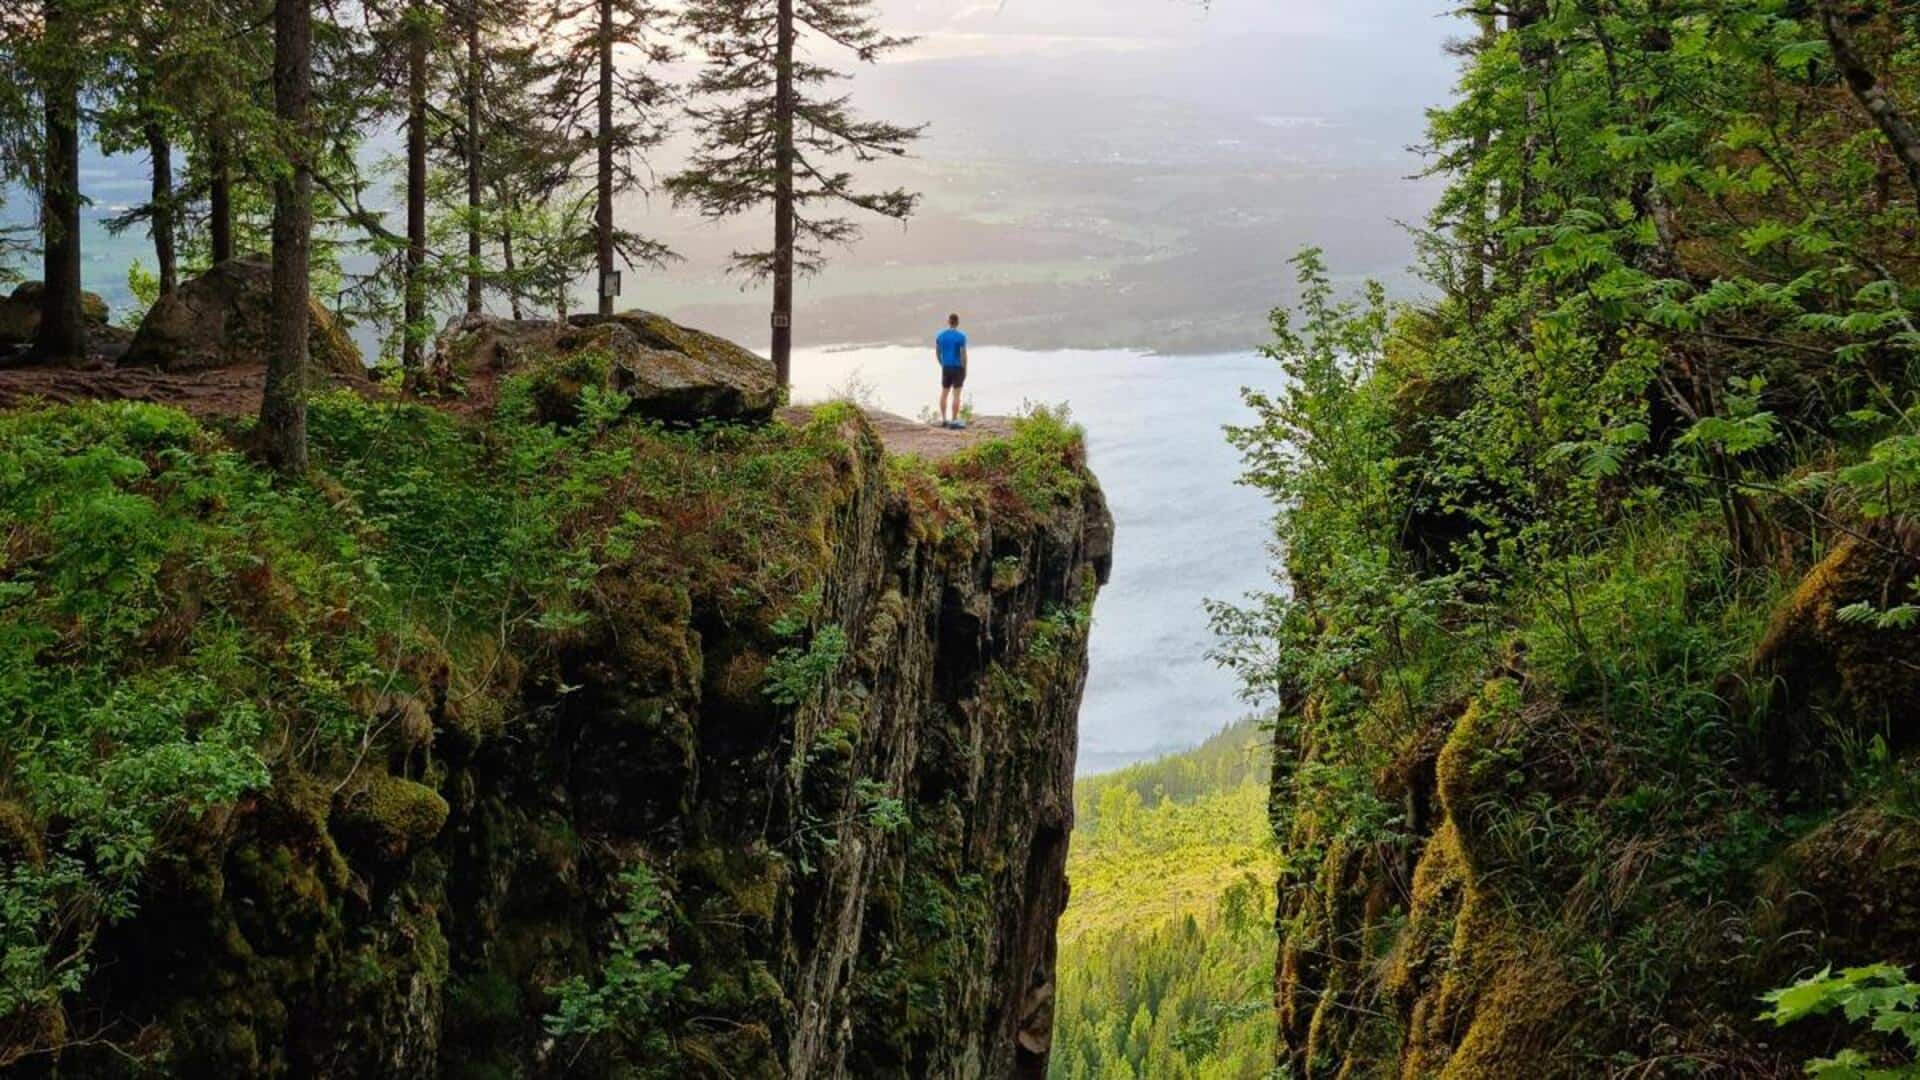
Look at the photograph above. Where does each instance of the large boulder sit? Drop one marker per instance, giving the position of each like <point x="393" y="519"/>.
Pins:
<point x="668" y="371"/>
<point x="469" y="344"/>
<point x="220" y="320"/>
<point x="20" y="313"/>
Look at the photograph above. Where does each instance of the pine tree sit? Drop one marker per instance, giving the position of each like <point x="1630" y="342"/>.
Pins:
<point x="53" y="52"/>
<point x="620" y="112"/>
<point x="527" y="177"/>
<point x="399" y="62"/>
<point x="772" y="135"/>
<point x="419" y="23"/>
<point x="144" y="99"/>
<point x="479" y="138"/>
<point x="283" y="406"/>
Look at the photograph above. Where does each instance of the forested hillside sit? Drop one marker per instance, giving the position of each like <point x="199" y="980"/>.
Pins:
<point x="1166" y="949"/>
<point x="1595" y="639"/>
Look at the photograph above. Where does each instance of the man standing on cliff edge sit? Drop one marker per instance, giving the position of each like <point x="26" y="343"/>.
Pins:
<point x="950" y="348"/>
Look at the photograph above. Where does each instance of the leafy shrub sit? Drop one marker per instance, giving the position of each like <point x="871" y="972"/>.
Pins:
<point x="634" y="986"/>
<point x="1879" y="994"/>
<point x="797" y="674"/>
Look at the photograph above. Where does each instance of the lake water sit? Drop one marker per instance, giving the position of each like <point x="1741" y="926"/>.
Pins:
<point x="1186" y="531"/>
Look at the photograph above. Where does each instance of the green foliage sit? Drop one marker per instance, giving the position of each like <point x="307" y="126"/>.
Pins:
<point x="179" y="631"/>
<point x="797" y="674"/>
<point x="169" y="615"/>
<point x="1539" y="532"/>
<point x="1166" y="949"/>
<point x="1881" y="995"/>
<point x="1035" y="467"/>
<point x="883" y="811"/>
<point x="634" y="987"/>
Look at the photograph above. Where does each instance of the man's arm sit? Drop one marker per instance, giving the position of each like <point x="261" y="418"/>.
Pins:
<point x="963" y="354"/>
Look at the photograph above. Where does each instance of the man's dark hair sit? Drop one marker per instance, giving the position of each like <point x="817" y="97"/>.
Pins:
<point x="953" y="320"/>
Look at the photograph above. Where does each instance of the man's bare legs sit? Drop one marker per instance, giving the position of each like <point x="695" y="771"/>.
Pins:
<point x="944" y="391"/>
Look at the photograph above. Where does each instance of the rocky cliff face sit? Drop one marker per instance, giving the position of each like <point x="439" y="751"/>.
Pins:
<point x="1460" y="943"/>
<point x="826" y="844"/>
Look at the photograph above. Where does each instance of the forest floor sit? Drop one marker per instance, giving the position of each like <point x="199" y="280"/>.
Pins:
<point x="236" y="392"/>
<point x="215" y="392"/>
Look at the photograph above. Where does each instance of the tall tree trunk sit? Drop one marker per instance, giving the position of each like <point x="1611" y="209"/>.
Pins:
<point x="220" y="193"/>
<point x="1535" y="59"/>
<point x="415" y="308"/>
<point x="506" y="264"/>
<point x="283" y="407"/>
<point x="1481" y="257"/>
<point x="63" y="330"/>
<point x="783" y="108"/>
<point x="161" y="221"/>
<point x="1872" y="97"/>
<point x="473" y="157"/>
<point x="603" y="208"/>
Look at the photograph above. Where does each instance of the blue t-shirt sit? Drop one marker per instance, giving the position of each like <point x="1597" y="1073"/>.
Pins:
<point x="952" y="346"/>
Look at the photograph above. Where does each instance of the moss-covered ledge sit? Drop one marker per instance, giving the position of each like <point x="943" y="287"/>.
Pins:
<point x="419" y="764"/>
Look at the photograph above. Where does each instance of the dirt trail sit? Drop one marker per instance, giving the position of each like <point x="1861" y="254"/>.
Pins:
<point x="218" y="392"/>
<point x="236" y="392"/>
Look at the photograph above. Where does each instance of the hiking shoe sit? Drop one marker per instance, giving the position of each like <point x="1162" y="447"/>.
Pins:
<point x="958" y="425"/>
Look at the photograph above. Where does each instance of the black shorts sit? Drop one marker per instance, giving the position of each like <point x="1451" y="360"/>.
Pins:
<point x="953" y="377"/>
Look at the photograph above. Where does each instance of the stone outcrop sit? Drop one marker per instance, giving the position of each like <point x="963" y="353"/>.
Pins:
<point x="220" y="320"/>
<point x="20" y="313"/>
<point x="669" y="372"/>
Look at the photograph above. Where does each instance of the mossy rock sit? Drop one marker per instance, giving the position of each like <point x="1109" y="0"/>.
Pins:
<point x="221" y="318"/>
<point x="20" y="313"/>
<point x="1460" y="774"/>
<point x="666" y="371"/>
<point x="1821" y="660"/>
<point x="388" y="817"/>
<point x="1850" y="889"/>
<point x="20" y="837"/>
<point x="1523" y="1019"/>
<point x="749" y="880"/>
<point x="470" y="721"/>
<point x="675" y="372"/>
<point x="556" y="385"/>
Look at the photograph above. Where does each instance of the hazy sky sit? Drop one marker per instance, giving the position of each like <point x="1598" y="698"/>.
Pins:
<point x="1093" y="172"/>
<point x="1100" y="172"/>
<point x="1380" y="58"/>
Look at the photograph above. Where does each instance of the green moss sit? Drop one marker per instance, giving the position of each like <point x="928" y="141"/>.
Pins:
<point x="751" y="880"/>
<point x="1818" y="653"/>
<point x="1474" y="748"/>
<point x="20" y="838"/>
<point x="1521" y="1025"/>
<point x="389" y="817"/>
